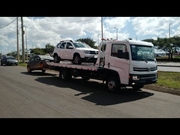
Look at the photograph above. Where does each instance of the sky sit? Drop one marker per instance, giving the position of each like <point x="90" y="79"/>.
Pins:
<point x="40" y="31"/>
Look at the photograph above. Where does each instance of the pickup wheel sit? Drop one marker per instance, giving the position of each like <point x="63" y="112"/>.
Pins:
<point x="112" y="84"/>
<point x="64" y="75"/>
<point x="76" y="59"/>
<point x="56" y="58"/>
<point x="29" y="69"/>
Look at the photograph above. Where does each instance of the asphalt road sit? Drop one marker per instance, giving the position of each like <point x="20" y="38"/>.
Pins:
<point x="39" y="95"/>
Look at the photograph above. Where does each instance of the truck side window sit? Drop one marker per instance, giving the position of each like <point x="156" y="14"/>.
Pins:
<point x="116" y="47"/>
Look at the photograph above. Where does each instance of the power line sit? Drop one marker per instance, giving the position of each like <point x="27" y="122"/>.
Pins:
<point x="8" y="24"/>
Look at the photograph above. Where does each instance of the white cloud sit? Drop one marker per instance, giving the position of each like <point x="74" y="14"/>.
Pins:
<point x="44" y="30"/>
<point x="158" y="26"/>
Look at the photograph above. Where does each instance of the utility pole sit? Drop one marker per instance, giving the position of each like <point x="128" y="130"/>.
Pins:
<point x="26" y="43"/>
<point x="102" y="27"/>
<point x="116" y="33"/>
<point x="23" y="60"/>
<point x="98" y="39"/>
<point x="17" y="41"/>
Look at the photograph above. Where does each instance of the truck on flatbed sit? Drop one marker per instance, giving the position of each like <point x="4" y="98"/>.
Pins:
<point x="120" y="63"/>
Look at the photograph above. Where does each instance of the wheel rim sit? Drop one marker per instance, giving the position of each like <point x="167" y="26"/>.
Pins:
<point x="111" y="85"/>
<point x="76" y="59"/>
<point x="55" y="58"/>
<point x="63" y="75"/>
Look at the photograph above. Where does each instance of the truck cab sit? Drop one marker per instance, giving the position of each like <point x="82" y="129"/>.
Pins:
<point x="133" y="61"/>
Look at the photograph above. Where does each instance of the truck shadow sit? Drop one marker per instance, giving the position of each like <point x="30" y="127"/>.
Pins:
<point x="96" y="92"/>
<point x="38" y="73"/>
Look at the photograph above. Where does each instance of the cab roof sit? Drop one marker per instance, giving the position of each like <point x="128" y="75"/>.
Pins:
<point x="135" y="42"/>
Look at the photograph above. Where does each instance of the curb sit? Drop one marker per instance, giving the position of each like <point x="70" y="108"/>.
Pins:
<point x="168" y="65"/>
<point x="161" y="89"/>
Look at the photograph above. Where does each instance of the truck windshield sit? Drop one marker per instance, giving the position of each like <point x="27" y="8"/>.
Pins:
<point x="142" y="52"/>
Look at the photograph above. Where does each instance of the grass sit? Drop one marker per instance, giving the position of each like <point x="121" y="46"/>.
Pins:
<point x="168" y="79"/>
<point x="22" y="64"/>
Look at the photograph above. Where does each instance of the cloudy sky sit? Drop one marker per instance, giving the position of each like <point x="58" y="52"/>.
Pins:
<point x="43" y="30"/>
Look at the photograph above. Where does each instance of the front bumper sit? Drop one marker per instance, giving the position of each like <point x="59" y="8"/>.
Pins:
<point x="135" y="79"/>
<point x="12" y="63"/>
<point x="89" y="58"/>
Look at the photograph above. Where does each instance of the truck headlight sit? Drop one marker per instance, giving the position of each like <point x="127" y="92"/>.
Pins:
<point x="135" y="78"/>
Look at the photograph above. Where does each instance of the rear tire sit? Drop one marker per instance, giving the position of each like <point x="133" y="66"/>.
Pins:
<point x="56" y="58"/>
<point x="112" y="84"/>
<point x="64" y="75"/>
<point x="29" y="69"/>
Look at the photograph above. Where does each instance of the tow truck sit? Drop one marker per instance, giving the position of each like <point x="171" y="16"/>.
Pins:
<point x="120" y="63"/>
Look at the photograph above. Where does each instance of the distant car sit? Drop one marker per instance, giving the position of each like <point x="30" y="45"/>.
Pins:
<point x="77" y="52"/>
<point x="38" y="62"/>
<point x="9" y="60"/>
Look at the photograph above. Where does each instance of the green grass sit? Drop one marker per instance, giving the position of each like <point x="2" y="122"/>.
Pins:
<point x="168" y="79"/>
<point x="22" y="64"/>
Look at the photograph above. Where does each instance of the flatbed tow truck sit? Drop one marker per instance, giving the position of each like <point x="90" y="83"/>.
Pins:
<point x="120" y="63"/>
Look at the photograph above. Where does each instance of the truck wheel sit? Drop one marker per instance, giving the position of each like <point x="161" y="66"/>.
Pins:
<point x="77" y="59"/>
<point x="112" y="84"/>
<point x="64" y="75"/>
<point x="56" y="59"/>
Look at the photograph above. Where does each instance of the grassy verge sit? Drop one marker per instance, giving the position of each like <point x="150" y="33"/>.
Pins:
<point x="169" y="79"/>
<point x="22" y="64"/>
<point x="167" y="82"/>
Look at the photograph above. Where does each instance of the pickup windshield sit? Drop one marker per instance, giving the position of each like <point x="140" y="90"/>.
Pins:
<point x="142" y="53"/>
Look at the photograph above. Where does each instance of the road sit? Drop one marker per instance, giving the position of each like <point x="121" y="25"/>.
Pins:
<point x="171" y="69"/>
<point x="39" y="95"/>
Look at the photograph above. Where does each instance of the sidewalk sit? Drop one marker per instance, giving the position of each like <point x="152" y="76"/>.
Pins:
<point x="169" y="64"/>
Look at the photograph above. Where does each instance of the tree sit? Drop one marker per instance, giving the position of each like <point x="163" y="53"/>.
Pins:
<point x="169" y="45"/>
<point x="49" y="48"/>
<point x="88" y="41"/>
<point x="38" y="51"/>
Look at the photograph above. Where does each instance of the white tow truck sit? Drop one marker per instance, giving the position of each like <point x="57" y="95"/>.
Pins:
<point x="120" y="63"/>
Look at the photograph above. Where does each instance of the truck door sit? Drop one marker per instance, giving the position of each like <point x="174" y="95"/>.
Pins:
<point x="118" y="62"/>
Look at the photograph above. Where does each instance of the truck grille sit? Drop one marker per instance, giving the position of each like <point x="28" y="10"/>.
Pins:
<point x="145" y="69"/>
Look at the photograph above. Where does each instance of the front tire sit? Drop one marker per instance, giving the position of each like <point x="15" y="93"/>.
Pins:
<point x="77" y="59"/>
